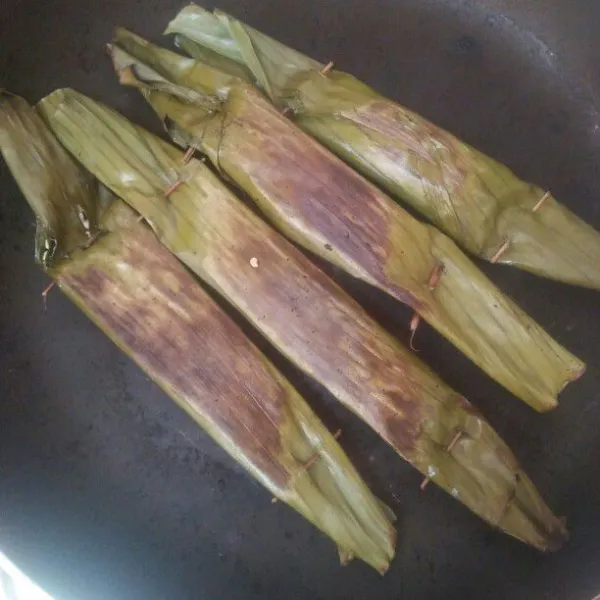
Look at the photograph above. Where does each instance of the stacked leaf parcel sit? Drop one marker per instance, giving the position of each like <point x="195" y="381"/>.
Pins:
<point x="323" y="205"/>
<point x="116" y="271"/>
<point x="305" y="315"/>
<point x="478" y="202"/>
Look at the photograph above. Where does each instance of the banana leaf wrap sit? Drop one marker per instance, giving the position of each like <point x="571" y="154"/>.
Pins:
<point x="307" y="316"/>
<point x="324" y="206"/>
<point x="116" y="271"/>
<point x="476" y="200"/>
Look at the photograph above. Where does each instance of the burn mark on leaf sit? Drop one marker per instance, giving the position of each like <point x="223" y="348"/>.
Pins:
<point x="323" y="199"/>
<point x="325" y="332"/>
<point x="152" y="307"/>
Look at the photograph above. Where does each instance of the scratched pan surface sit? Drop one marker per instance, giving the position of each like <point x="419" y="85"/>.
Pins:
<point x="108" y="491"/>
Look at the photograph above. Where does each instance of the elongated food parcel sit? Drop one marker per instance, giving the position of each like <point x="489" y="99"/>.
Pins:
<point x="477" y="201"/>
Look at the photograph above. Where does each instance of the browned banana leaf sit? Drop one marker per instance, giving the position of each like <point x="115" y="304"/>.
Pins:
<point x="306" y="316"/>
<point x="113" y="267"/>
<point x="318" y="201"/>
<point x="477" y="201"/>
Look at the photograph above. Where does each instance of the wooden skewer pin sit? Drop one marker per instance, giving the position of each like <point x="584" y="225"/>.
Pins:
<point x="313" y="459"/>
<point x="508" y="502"/>
<point x="46" y="292"/>
<point x="500" y="252"/>
<point x="448" y="449"/>
<point x="172" y="188"/>
<point x="327" y="68"/>
<point x="188" y="155"/>
<point x="414" y="324"/>
<point x="506" y="243"/>
<point x="540" y="202"/>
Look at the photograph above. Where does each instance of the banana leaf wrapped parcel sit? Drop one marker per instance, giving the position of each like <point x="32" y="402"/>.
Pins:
<point x="306" y="316"/>
<point x="115" y="270"/>
<point x="477" y="201"/>
<point x="324" y="206"/>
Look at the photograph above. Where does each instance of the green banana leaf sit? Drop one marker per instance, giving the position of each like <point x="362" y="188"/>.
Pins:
<point x="477" y="201"/>
<point x="324" y="206"/>
<point x="116" y="271"/>
<point x="306" y="316"/>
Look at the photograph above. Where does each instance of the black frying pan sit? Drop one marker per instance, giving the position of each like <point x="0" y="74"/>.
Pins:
<point x="108" y="491"/>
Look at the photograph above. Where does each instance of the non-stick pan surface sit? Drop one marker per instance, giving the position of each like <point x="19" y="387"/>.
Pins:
<point x="107" y="491"/>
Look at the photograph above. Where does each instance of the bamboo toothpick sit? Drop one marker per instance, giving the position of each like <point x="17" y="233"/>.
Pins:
<point x="327" y="68"/>
<point x="508" y="501"/>
<point x="448" y="449"/>
<point x="313" y="459"/>
<point x="506" y="243"/>
<point x="414" y="324"/>
<point x="540" y="202"/>
<point x="424" y="483"/>
<point x="172" y="188"/>
<point x="46" y="292"/>
<point x="435" y="276"/>
<point x="454" y="441"/>
<point x="500" y="252"/>
<point x="188" y="154"/>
